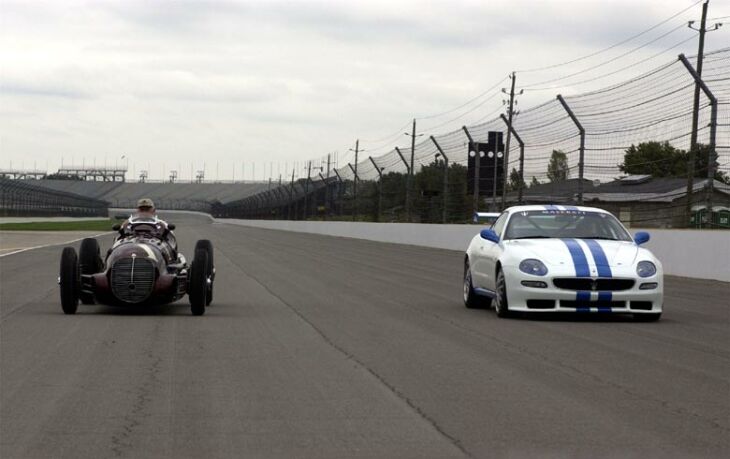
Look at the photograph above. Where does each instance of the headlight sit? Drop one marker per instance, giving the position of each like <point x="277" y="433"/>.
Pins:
<point x="645" y="269"/>
<point x="534" y="267"/>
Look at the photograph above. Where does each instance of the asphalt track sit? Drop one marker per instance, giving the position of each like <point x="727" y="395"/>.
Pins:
<point x="330" y="348"/>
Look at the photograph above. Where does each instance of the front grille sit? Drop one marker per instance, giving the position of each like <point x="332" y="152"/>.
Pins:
<point x="132" y="279"/>
<point x="591" y="304"/>
<point x="586" y="283"/>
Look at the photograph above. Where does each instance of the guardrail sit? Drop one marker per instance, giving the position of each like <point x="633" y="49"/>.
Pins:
<point x="703" y="254"/>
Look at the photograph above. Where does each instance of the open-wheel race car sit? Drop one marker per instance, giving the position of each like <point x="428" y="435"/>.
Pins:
<point x="142" y="268"/>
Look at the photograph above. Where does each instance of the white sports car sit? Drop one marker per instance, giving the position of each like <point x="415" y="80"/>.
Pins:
<point x="562" y="259"/>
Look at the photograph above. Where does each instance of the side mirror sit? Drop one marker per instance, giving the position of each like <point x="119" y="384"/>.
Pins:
<point x="641" y="237"/>
<point x="117" y="227"/>
<point x="171" y="226"/>
<point x="489" y="235"/>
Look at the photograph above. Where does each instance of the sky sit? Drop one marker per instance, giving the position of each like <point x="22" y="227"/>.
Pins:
<point x="248" y="89"/>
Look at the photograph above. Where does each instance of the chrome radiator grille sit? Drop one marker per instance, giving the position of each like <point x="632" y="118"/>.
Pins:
<point x="132" y="279"/>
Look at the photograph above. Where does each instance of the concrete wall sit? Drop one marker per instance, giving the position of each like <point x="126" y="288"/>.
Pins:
<point x="688" y="253"/>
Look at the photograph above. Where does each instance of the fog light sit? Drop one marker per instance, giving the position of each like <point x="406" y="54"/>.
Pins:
<point x="648" y="286"/>
<point x="534" y="284"/>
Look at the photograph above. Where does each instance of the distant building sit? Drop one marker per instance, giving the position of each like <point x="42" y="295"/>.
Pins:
<point x="565" y="191"/>
<point x="660" y="202"/>
<point x="639" y="200"/>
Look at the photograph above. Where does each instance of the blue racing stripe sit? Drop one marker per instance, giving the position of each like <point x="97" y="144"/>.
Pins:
<point x="599" y="256"/>
<point x="583" y="309"/>
<point x="571" y="208"/>
<point x="582" y="296"/>
<point x="604" y="309"/>
<point x="605" y="296"/>
<point x="580" y="262"/>
<point x="551" y="207"/>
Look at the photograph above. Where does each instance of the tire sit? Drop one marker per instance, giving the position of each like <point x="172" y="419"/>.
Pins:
<point x="90" y="256"/>
<point x="501" y="307"/>
<point x="198" y="283"/>
<point x="206" y="245"/>
<point x="650" y="317"/>
<point x="69" y="280"/>
<point x="471" y="299"/>
<point x="89" y="263"/>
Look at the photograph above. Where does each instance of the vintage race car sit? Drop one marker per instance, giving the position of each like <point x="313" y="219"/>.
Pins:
<point x="142" y="268"/>
<point x="562" y="259"/>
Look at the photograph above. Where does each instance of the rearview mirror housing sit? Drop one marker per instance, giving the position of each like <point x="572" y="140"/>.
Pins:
<point x="641" y="237"/>
<point x="489" y="235"/>
<point x="171" y="226"/>
<point x="117" y="227"/>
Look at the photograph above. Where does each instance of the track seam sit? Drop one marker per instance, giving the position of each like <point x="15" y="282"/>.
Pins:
<point x="401" y="396"/>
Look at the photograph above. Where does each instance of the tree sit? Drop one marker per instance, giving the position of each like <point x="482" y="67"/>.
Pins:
<point x="661" y="159"/>
<point x="658" y="159"/>
<point x="514" y="181"/>
<point x="534" y="182"/>
<point x="558" y="170"/>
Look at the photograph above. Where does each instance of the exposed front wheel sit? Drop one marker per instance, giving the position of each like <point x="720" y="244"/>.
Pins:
<point x="69" y="281"/>
<point x="206" y="245"/>
<point x="89" y="263"/>
<point x="500" y="299"/>
<point x="198" y="282"/>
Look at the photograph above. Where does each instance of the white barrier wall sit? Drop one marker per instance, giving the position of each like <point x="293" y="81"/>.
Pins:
<point x="688" y="253"/>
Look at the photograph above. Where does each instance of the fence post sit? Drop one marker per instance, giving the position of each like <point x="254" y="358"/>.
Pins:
<point x="446" y="177"/>
<point x="402" y="158"/>
<point x="475" y="200"/>
<point x="355" y="179"/>
<point x="582" y="146"/>
<point x="339" y="190"/>
<point x="380" y="187"/>
<point x="711" y="154"/>
<point x="522" y="159"/>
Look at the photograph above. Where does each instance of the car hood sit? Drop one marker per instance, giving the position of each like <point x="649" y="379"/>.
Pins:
<point x="556" y="252"/>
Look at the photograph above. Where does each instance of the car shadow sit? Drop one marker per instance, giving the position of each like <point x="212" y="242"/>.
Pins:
<point x="576" y="317"/>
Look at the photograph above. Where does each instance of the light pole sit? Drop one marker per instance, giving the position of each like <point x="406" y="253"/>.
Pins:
<point x="496" y="156"/>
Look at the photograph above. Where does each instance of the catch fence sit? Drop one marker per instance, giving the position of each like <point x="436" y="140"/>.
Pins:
<point x="627" y="148"/>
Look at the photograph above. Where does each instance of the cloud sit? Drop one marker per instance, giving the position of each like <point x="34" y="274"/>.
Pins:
<point x="278" y="81"/>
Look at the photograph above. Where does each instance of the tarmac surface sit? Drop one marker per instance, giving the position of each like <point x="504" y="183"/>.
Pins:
<point x="329" y="347"/>
<point x="16" y="241"/>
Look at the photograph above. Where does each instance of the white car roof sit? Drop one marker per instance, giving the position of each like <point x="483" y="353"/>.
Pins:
<point x="562" y="207"/>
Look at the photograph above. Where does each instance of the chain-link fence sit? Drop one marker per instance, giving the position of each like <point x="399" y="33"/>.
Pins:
<point x="19" y="198"/>
<point x="631" y="148"/>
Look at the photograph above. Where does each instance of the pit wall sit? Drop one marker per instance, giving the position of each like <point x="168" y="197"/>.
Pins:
<point x="700" y="254"/>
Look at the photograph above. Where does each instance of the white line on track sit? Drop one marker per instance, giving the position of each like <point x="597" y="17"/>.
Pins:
<point x="54" y="244"/>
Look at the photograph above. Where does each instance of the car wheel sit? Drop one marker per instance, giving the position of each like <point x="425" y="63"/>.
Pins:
<point x="198" y="283"/>
<point x="69" y="280"/>
<point x="206" y="245"/>
<point x="500" y="299"/>
<point x="650" y="317"/>
<point x="471" y="299"/>
<point x="89" y="263"/>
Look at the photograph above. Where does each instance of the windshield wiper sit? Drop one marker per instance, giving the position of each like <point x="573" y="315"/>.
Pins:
<point x="531" y="237"/>
<point x="598" y="237"/>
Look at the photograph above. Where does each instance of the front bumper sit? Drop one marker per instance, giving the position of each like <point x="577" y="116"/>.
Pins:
<point x="522" y="298"/>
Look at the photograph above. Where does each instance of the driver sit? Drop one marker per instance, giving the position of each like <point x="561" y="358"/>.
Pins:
<point x="146" y="209"/>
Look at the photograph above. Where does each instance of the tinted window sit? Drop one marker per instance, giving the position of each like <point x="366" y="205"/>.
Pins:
<point x="567" y="223"/>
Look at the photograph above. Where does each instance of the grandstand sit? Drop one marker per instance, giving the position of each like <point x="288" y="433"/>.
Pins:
<point x="19" y="198"/>
<point x="173" y="196"/>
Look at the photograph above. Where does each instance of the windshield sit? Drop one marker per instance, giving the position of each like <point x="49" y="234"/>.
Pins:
<point x="565" y="223"/>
